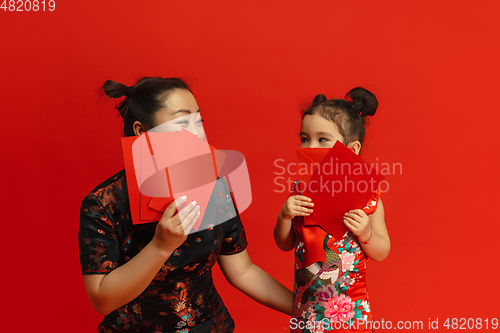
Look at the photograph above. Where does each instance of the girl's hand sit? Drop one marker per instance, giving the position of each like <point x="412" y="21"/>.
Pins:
<point x="172" y="230"/>
<point x="359" y="223"/>
<point x="296" y="205"/>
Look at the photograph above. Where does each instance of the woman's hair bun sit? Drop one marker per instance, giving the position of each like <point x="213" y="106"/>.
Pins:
<point x="318" y="99"/>
<point x="363" y="101"/>
<point x="115" y="89"/>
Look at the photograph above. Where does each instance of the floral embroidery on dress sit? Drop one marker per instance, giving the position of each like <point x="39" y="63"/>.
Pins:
<point x="108" y="239"/>
<point x="181" y="303"/>
<point x="332" y="289"/>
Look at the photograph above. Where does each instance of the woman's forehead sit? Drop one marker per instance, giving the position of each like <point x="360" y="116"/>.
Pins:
<point x="181" y="99"/>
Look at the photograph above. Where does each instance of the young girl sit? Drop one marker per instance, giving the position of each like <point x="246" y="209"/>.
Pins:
<point x="330" y="291"/>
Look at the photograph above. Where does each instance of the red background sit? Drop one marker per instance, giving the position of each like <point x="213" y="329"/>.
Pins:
<point x="432" y="65"/>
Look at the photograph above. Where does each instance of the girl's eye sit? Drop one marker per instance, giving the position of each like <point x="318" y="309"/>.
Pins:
<point x="303" y="140"/>
<point x="324" y="140"/>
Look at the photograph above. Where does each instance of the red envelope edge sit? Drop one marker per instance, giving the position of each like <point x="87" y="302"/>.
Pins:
<point x="308" y="160"/>
<point x="329" y="209"/>
<point x="145" y="209"/>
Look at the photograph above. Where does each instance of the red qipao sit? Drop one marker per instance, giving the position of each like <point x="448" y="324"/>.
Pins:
<point x="330" y="285"/>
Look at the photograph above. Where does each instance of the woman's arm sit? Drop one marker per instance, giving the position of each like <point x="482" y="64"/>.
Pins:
<point x="250" y="279"/>
<point x="284" y="235"/>
<point x="363" y="226"/>
<point x="123" y="284"/>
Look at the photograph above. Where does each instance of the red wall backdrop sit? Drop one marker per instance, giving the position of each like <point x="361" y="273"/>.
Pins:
<point x="252" y="65"/>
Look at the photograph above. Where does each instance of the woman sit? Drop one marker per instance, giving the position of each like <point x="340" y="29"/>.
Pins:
<point x="154" y="277"/>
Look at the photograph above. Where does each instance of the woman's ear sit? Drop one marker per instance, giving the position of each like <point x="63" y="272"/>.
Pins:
<point x="138" y="128"/>
<point x="355" y="146"/>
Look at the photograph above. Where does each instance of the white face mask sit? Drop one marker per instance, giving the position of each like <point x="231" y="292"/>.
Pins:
<point x="192" y="123"/>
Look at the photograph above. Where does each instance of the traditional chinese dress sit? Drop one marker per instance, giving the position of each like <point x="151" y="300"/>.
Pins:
<point x="330" y="289"/>
<point x="182" y="297"/>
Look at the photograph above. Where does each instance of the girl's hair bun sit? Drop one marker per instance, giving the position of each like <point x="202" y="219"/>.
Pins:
<point x="115" y="89"/>
<point x="363" y="101"/>
<point x="318" y="99"/>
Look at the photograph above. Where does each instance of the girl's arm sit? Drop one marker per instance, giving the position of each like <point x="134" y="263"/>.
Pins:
<point x="284" y="235"/>
<point x="371" y="231"/>
<point x="250" y="279"/>
<point x="122" y="285"/>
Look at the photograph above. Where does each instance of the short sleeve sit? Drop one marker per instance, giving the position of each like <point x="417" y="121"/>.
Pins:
<point x="372" y="204"/>
<point x="222" y="211"/>
<point x="235" y="239"/>
<point x="98" y="238"/>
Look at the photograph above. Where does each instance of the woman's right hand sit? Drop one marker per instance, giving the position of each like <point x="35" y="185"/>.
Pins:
<point x="173" y="229"/>
<point x="296" y="205"/>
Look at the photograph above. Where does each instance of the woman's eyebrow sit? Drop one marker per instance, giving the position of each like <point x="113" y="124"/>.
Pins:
<point x="179" y="111"/>
<point x="185" y="111"/>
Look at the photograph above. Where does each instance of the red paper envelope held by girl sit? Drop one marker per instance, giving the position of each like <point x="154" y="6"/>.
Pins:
<point x="163" y="166"/>
<point x="308" y="161"/>
<point x="342" y="181"/>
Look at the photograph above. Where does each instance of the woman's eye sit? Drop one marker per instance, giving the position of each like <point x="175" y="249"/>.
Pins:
<point x="184" y="122"/>
<point x="200" y="121"/>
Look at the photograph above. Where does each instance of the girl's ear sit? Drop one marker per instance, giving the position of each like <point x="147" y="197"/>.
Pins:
<point x="355" y="146"/>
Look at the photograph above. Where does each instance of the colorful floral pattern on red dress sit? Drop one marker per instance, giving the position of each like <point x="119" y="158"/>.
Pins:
<point x="330" y="290"/>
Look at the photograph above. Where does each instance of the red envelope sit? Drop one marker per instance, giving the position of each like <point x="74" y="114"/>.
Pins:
<point x="150" y="208"/>
<point x="308" y="161"/>
<point x="181" y="163"/>
<point x="342" y="182"/>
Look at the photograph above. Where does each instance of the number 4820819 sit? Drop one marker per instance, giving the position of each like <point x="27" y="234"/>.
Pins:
<point x="471" y="323"/>
<point x="28" y="5"/>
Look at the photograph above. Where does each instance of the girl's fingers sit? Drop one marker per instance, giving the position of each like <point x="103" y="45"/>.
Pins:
<point x="353" y="215"/>
<point x="305" y="210"/>
<point x="349" y="226"/>
<point x="358" y="212"/>
<point x="302" y="198"/>
<point x="356" y="218"/>
<point x="304" y="203"/>
<point x="351" y="221"/>
<point x="301" y="213"/>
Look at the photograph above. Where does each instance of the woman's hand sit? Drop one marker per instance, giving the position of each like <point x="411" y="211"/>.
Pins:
<point x="359" y="223"/>
<point x="172" y="229"/>
<point x="296" y="205"/>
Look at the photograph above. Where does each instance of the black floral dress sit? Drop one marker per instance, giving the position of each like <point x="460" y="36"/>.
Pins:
<point x="182" y="297"/>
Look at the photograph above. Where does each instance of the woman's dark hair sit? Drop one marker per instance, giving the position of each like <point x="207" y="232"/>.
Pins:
<point x="350" y="114"/>
<point x="142" y="100"/>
